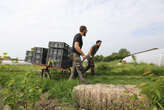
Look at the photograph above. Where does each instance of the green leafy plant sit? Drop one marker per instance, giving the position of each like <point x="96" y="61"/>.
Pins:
<point x="25" y="93"/>
<point x="155" y="91"/>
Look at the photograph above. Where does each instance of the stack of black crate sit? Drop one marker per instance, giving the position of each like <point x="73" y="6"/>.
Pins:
<point x="39" y="55"/>
<point x="70" y="55"/>
<point x="58" y="54"/>
<point x="29" y="56"/>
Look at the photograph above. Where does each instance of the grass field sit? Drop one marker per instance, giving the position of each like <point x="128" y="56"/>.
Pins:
<point x="21" y="83"/>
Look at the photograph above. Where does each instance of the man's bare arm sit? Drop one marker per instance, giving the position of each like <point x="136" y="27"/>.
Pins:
<point x="77" y="47"/>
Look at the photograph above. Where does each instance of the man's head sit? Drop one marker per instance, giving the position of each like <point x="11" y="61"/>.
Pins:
<point x="98" y="42"/>
<point x="83" y="30"/>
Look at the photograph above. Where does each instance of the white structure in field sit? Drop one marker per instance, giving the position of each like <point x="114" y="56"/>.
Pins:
<point x="150" y="57"/>
<point x="4" y="62"/>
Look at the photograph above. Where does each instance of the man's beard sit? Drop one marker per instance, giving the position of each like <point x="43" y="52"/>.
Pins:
<point x="84" y="34"/>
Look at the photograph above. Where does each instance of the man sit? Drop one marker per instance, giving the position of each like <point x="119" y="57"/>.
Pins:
<point x="77" y="52"/>
<point x="91" y="55"/>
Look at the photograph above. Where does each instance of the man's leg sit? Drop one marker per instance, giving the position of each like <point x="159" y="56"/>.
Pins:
<point x="80" y="69"/>
<point x="87" y="68"/>
<point x="92" y="67"/>
<point x="73" y="71"/>
<point x="89" y="65"/>
<point x="75" y="74"/>
<point x="80" y="73"/>
<point x="92" y="70"/>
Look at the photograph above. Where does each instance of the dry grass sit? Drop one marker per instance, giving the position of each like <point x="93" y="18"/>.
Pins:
<point x="110" y="97"/>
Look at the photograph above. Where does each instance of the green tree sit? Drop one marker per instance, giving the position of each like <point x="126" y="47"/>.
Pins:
<point x="98" y="58"/>
<point x="113" y="56"/>
<point x="4" y="54"/>
<point x="123" y="53"/>
<point x="117" y="56"/>
<point x="6" y="57"/>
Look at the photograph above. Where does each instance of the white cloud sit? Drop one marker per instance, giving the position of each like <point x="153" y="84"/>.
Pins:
<point x="28" y="23"/>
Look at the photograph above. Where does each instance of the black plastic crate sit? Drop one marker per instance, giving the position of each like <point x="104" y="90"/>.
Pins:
<point x="57" y="52"/>
<point x="39" y="49"/>
<point x="70" y="53"/>
<point x="61" y="45"/>
<point x="40" y="55"/>
<point x="28" y="59"/>
<point x="62" y="52"/>
<point x="51" y="58"/>
<point x="61" y="64"/>
<point x="56" y="58"/>
<point x="59" y="61"/>
<point x="52" y="51"/>
<point x="38" y="61"/>
<point x="29" y="56"/>
<point x="29" y="53"/>
<point x="70" y="50"/>
<point x="66" y="63"/>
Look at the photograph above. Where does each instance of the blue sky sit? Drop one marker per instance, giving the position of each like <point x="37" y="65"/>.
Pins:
<point x="152" y="29"/>
<point x="132" y="24"/>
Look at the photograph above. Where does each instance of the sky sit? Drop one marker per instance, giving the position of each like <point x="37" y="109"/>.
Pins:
<point x="136" y="25"/>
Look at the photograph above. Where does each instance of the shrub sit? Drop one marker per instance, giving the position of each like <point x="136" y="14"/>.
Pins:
<point x="103" y="68"/>
<point x="155" y="91"/>
<point x="21" y="92"/>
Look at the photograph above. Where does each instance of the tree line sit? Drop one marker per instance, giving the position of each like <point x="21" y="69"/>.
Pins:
<point x="6" y="57"/>
<point x="120" y="55"/>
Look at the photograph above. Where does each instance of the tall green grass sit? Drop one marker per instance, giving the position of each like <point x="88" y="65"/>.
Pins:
<point x="116" y="68"/>
<point x="58" y="87"/>
<point x="108" y="73"/>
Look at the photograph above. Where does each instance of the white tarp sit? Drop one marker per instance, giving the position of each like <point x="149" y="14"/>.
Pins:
<point x="4" y="62"/>
<point x="155" y="57"/>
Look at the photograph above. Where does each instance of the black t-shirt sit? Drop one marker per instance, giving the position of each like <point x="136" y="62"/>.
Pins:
<point x="94" y="49"/>
<point x="77" y="38"/>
